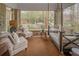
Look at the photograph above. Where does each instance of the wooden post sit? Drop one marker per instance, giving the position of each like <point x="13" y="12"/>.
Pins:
<point x="72" y="19"/>
<point x="16" y="16"/>
<point x="59" y="22"/>
<point x="61" y="33"/>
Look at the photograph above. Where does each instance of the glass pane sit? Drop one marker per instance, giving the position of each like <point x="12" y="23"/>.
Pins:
<point x="51" y="19"/>
<point x="37" y="20"/>
<point x="76" y="18"/>
<point x="8" y="17"/>
<point x="32" y="19"/>
<point x="68" y="20"/>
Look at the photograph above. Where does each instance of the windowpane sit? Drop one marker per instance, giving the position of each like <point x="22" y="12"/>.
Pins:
<point x="8" y="17"/>
<point x="71" y="19"/>
<point x="33" y="19"/>
<point x="36" y="20"/>
<point x="51" y="18"/>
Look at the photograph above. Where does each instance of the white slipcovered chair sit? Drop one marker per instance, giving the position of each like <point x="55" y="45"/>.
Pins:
<point x="27" y="33"/>
<point x="24" y="30"/>
<point x="15" y="44"/>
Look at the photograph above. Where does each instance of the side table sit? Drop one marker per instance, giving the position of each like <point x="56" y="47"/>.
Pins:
<point x="43" y="34"/>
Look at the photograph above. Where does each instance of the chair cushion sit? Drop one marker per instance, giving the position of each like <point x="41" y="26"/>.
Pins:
<point x="15" y="37"/>
<point x="22" y="42"/>
<point x="11" y="38"/>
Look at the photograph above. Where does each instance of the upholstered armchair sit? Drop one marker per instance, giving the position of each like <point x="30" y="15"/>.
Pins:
<point x="15" y="44"/>
<point x="19" y="44"/>
<point x="24" y="31"/>
<point x="27" y="33"/>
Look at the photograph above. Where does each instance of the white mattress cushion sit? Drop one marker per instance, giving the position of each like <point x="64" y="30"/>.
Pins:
<point x="56" y="38"/>
<point x="75" y="51"/>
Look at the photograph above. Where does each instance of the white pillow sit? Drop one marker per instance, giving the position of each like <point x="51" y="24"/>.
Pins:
<point x="11" y="38"/>
<point x="16" y="38"/>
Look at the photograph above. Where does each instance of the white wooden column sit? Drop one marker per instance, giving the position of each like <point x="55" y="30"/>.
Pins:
<point x="18" y="18"/>
<point x="46" y="20"/>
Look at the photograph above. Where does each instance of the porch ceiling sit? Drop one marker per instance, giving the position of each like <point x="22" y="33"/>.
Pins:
<point x="36" y="6"/>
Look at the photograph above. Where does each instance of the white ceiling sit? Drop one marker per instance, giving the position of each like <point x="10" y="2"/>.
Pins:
<point x="36" y="6"/>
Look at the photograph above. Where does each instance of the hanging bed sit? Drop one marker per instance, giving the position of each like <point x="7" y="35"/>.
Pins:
<point x="54" y="34"/>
